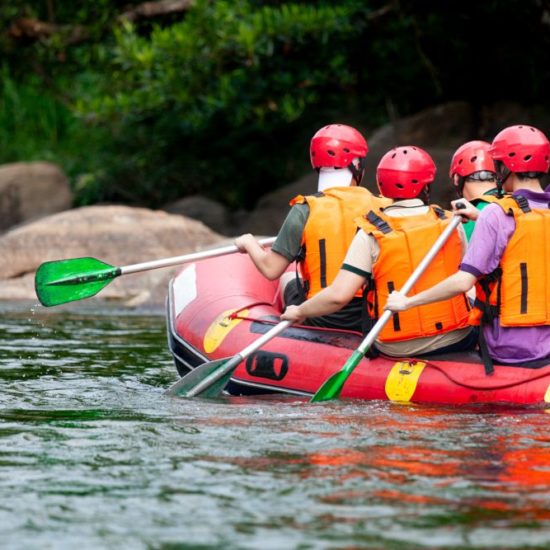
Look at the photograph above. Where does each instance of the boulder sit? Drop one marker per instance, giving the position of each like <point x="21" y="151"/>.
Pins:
<point x="271" y="210"/>
<point x="30" y="190"/>
<point x="210" y="212"/>
<point x="118" y="235"/>
<point x="440" y="130"/>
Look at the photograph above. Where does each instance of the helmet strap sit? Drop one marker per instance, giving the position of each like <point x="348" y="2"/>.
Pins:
<point x="424" y="195"/>
<point x="503" y="173"/>
<point x="460" y="187"/>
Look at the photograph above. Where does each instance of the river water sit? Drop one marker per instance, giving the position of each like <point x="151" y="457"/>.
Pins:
<point x="93" y="455"/>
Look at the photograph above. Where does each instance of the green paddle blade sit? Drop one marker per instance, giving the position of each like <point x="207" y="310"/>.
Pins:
<point x="207" y="380"/>
<point x="64" y="281"/>
<point x="333" y="386"/>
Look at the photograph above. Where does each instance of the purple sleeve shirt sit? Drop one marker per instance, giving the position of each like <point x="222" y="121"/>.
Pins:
<point x="491" y="234"/>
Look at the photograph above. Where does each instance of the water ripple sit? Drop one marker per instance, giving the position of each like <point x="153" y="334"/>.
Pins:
<point x="94" y="455"/>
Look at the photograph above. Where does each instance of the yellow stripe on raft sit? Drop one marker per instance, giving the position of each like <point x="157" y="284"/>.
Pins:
<point x="402" y="380"/>
<point x="547" y="395"/>
<point x="220" y="328"/>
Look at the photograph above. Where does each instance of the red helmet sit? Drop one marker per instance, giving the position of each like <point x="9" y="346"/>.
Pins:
<point x="404" y="171"/>
<point x="336" y="145"/>
<point x="470" y="158"/>
<point x="522" y="149"/>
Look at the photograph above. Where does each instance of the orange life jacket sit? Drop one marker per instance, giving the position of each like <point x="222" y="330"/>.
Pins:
<point x="404" y="242"/>
<point x="518" y="291"/>
<point x="329" y="230"/>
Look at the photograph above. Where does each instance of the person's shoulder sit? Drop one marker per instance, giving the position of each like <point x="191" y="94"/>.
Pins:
<point x="491" y="211"/>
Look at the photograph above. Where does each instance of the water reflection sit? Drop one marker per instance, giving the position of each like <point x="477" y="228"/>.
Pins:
<point x="92" y="454"/>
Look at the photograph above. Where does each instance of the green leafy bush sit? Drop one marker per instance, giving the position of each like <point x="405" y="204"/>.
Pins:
<point x="223" y="98"/>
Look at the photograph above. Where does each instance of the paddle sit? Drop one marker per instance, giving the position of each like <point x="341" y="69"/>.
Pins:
<point x="63" y="281"/>
<point x="333" y="386"/>
<point x="209" y="379"/>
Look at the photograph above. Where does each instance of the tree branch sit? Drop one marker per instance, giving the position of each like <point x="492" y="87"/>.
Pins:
<point x="39" y="30"/>
<point x="33" y="29"/>
<point x="154" y="9"/>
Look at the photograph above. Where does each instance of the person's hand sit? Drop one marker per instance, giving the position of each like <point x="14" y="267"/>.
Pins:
<point x="465" y="209"/>
<point x="244" y="241"/>
<point x="397" y="301"/>
<point x="293" y="314"/>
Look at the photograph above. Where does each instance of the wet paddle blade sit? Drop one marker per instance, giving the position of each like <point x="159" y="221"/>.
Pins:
<point x="65" y="281"/>
<point x="212" y="377"/>
<point x="333" y="386"/>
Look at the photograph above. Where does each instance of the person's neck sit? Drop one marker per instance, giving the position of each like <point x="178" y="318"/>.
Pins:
<point x="528" y="185"/>
<point x="515" y="183"/>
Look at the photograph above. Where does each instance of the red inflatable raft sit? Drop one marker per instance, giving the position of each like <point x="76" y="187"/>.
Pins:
<point x="217" y="307"/>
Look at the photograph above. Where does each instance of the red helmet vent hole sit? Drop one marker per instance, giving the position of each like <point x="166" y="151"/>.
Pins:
<point x="460" y="161"/>
<point x="405" y="152"/>
<point x="399" y="186"/>
<point x="511" y="154"/>
<point x="393" y="156"/>
<point x="473" y="159"/>
<point x="414" y="181"/>
<point x="346" y="150"/>
<point x="331" y="153"/>
<point x="527" y="157"/>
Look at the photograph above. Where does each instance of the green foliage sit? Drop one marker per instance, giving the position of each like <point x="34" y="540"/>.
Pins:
<point x="34" y="125"/>
<point x="205" y="98"/>
<point x="223" y="98"/>
<point x="228" y="58"/>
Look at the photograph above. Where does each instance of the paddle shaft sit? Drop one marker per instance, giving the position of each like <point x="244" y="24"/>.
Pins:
<point x="332" y="387"/>
<point x="186" y="258"/>
<point x="410" y="282"/>
<point x="232" y="363"/>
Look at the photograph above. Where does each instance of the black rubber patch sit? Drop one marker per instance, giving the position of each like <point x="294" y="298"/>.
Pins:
<point x="264" y="364"/>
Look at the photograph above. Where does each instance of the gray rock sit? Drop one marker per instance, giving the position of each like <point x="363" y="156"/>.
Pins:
<point x="30" y="190"/>
<point x="210" y="212"/>
<point x="271" y="210"/>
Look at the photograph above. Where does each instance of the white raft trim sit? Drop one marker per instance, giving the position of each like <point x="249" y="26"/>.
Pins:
<point x="185" y="288"/>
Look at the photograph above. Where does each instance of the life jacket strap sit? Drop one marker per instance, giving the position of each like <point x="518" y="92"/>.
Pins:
<point x="489" y="311"/>
<point x="440" y="213"/>
<point x="378" y="222"/>
<point x="301" y="284"/>
<point x="485" y="357"/>
<point x="369" y="314"/>
<point x="522" y="203"/>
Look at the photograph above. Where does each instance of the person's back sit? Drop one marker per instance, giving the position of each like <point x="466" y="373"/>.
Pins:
<point x="319" y="228"/>
<point x="509" y="253"/>
<point x="398" y="238"/>
<point x="473" y="175"/>
<point x="508" y="257"/>
<point x="389" y="246"/>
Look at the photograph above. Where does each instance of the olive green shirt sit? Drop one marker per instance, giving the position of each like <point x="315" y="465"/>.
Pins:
<point x="289" y="238"/>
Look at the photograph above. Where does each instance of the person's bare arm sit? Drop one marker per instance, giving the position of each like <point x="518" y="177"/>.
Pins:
<point x="456" y="284"/>
<point x="465" y="209"/>
<point x="329" y="300"/>
<point x="270" y="264"/>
